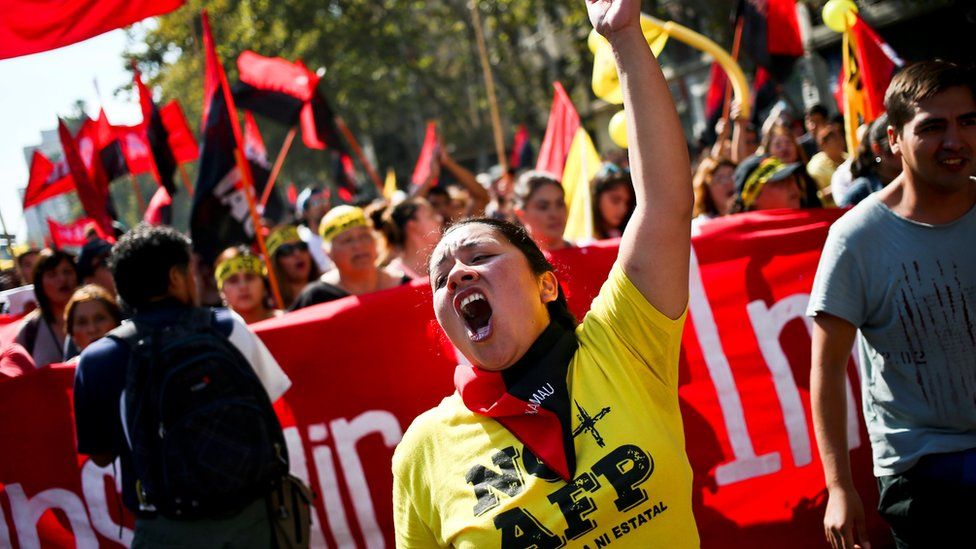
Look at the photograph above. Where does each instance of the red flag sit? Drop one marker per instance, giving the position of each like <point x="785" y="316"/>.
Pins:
<point x="47" y="180"/>
<point x="135" y="148"/>
<point x="715" y="98"/>
<point x="92" y="193"/>
<point x="783" y="29"/>
<point x="159" y="210"/>
<point x="421" y="171"/>
<point x="876" y="61"/>
<point x="562" y="126"/>
<point x="73" y="234"/>
<point x="31" y="27"/>
<point x="181" y="140"/>
<point x="254" y="148"/>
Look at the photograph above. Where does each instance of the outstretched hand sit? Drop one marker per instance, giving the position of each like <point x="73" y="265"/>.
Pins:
<point x="611" y="16"/>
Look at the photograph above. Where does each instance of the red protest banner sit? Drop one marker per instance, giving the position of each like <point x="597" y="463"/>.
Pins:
<point x="364" y="367"/>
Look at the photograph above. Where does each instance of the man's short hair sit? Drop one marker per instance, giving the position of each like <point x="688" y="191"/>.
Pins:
<point x="141" y="261"/>
<point x="817" y="109"/>
<point x="918" y="82"/>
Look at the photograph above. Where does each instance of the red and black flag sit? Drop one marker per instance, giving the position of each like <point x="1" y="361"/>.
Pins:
<point x="522" y="152"/>
<point x="31" y="27"/>
<point x="160" y="208"/>
<point x="164" y="164"/>
<point x="770" y="34"/>
<point x="289" y="94"/>
<point x="92" y="192"/>
<point x="98" y="139"/>
<point x="220" y="215"/>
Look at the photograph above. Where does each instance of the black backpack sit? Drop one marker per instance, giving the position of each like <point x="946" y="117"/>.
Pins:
<point x="204" y="437"/>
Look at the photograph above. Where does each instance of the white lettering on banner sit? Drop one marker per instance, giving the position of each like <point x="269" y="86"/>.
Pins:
<point x="335" y="510"/>
<point x="347" y="434"/>
<point x="768" y="324"/>
<point x="93" y="486"/>
<point x="26" y="512"/>
<point x="746" y="464"/>
<point x="298" y="467"/>
<point x="235" y="200"/>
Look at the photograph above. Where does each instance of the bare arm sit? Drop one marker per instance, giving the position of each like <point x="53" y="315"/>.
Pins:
<point x="655" y="247"/>
<point x="479" y="196"/>
<point x="432" y="177"/>
<point x="833" y="338"/>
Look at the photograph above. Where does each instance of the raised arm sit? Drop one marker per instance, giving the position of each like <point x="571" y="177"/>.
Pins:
<point x="479" y="196"/>
<point x="655" y="247"/>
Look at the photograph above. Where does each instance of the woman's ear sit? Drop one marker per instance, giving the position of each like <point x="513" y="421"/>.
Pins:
<point x="548" y="287"/>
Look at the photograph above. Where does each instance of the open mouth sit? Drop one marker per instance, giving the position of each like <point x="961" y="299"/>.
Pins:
<point x="475" y="311"/>
<point x="954" y="163"/>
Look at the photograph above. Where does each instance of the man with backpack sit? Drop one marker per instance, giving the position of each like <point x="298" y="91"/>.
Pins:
<point x="182" y="395"/>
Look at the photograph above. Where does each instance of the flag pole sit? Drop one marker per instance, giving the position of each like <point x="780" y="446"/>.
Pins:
<point x="246" y="176"/>
<point x="496" y="123"/>
<point x="279" y="161"/>
<point x="138" y="192"/>
<point x="186" y="179"/>
<point x="736" y="44"/>
<point x="358" y="151"/>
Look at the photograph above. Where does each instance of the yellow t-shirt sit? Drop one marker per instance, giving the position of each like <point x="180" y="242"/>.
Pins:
<point x="463" y="480"/>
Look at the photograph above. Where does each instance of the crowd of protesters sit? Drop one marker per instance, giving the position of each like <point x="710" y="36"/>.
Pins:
<point x="334" y="250"/>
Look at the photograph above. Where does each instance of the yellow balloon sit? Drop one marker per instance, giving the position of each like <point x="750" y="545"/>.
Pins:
<point x="618" y="129"/>
<point x="839" y="15"/>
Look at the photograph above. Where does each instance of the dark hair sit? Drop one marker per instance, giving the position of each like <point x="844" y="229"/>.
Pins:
<point x="530" y="182"/>
<point x="91" y="292"/>
<point x="141" y="261"/>
<point x="864" y="164"/>
<point x="608" y="178"/>
<point x="702" y="183"/>
<point x="394" y="219"/>
<point x="47" y="261"/>
<point x="918" y="82"/>
<point x="817" y="109"/>
<point x="439" y="191"/>
<point x="558" y="310"/>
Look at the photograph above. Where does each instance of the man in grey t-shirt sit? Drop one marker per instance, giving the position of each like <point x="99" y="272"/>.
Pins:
<point x="901" y="268"/>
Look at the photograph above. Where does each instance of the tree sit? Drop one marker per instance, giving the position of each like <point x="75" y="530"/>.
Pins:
<point x="390" y="65"/>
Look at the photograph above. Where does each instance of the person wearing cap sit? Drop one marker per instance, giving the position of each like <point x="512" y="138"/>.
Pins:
<point x="291" y="261"/>
<point x="92" y="264"/>
<point x="312" y="204"/>
<point x="349" y="243"/>
<point x="767" y="184"/>
<point x="242" y="280"/>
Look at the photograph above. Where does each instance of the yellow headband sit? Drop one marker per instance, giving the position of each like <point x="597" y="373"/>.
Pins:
<point x="238" y="264"/>
<point x="341" y="219"/>
<point x="284" y="235"/>
<point x="758" y="178"/>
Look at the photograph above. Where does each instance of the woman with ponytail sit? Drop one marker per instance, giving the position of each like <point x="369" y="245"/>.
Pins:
<point x="411" y="229"/>
<point x="562" y="434"/>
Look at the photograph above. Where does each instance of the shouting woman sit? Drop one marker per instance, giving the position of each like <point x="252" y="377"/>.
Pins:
<point x="561" y="434"/>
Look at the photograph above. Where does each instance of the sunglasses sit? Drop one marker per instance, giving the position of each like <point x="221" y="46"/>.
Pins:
<point x="290" y="248"/>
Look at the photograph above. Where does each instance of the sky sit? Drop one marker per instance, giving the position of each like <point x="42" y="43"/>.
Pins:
<point x="36" y="89"/>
